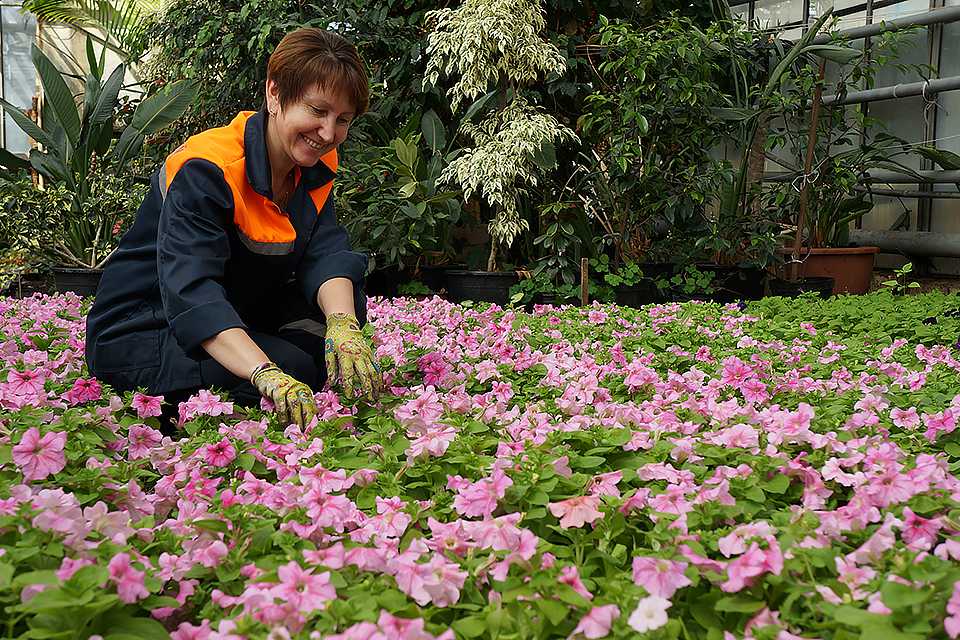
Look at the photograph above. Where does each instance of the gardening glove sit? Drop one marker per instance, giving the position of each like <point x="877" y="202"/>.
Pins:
<point x="349" y="357"/>
<point x="292" y="399"/>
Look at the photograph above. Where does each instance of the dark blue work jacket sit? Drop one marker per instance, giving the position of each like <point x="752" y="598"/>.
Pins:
<point x="208" y="251"/>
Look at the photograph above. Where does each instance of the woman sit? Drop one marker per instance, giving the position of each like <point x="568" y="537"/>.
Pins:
<point x="235" y="254"/>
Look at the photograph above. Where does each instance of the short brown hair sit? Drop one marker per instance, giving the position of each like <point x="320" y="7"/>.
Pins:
<point x="311" y="57"/>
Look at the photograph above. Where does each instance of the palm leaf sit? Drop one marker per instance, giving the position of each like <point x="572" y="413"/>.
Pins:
<point x="27" y="125"/>
<point x="57" y="94"/>
<point x="152" y="115"/>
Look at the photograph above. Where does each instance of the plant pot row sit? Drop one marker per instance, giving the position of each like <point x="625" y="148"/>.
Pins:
<point x="850" y="269"/>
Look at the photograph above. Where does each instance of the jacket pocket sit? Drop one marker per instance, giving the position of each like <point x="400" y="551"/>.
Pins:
<point x="134" y="350"/>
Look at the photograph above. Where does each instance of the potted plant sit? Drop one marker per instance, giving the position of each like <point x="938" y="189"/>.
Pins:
<point x="77" y="149"/>
<point x="649" y="174"/>
<point x="392" y="206"/>
<point x="755" y="100"/>
<point x="512" y="143"/>
<point x="822" y="192"/>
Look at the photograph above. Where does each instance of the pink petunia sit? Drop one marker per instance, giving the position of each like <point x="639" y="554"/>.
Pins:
<point x="40" y="456"/>
<point x="129" y="581"/>
<point x="597" y="622"/>
<point x="141" y="439"/>
<point x="83" y="390"/>
<point x="147" y="406"/>
<point x="659" y="576"/>
<point x="219" y="454"/>
<point x="576" y="512"/>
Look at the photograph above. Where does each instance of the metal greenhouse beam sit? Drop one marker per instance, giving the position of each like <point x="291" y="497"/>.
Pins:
<point x="934" y="16"/>
<point x="883" y="177"/>
<point x="925" y="88"/>
<point x="911" y="243"/>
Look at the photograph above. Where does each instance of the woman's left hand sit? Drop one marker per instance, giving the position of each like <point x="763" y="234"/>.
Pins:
<point x="350" y="358"/>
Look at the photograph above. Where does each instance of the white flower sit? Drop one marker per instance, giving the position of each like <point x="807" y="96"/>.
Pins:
<point x="650" y="614"/>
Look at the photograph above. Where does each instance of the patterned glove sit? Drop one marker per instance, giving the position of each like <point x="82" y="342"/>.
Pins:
<point x="349" y="357"/>
<point x="292" y="399"/>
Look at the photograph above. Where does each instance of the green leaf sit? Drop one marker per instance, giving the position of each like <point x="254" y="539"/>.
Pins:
<point x="151" y="116"/>
<point x="433" y="130"/>
<point x="546" y="156"/>
<point x="57" y="95"/>
<point x="120" y="624"/>
<point x="556" y="612"/>
<point x="947" y="160"/>
<point x="886" y="632"/>
<point x="779" y="484"/>
<point x="11" y="162"/>
<point x="898" y="596"/>
<point x="106" y="105"/>
<point x="739" y="604"/>
<point x="470" y="627"/>
<point x="27" y="125"/>
<point x="854" y="617"/>
<point x="835" y="53"/>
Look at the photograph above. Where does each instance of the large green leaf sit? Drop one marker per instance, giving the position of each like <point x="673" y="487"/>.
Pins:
<point x="776" y="77"/>
<point x="945" y="159"/>
<point x="835" y="53"/>
<point x="58" y="95"/>
<point x="27" y="125"/>
<point x="151" y="116"/>
<point x="9" y="162"/>
<point x="107" y="103"/>
<point x="433" y="130"/>
<point x="50" y="166"/>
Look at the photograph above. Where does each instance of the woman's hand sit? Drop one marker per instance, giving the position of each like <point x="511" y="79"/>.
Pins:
<point x="292" y="399"/>
<point x="349" y="357"/>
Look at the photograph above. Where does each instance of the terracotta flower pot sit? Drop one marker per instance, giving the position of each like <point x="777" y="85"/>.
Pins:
<point x="850" y="267"/>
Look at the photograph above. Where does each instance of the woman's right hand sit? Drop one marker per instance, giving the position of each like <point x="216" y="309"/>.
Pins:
<point x="292" y="399"/>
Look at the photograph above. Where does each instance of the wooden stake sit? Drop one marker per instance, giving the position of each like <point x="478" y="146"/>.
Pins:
<point x="584" y="282"/>
<point x="794" y="272"/>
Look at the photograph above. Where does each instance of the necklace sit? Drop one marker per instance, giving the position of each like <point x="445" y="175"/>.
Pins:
<point x="282" y="196"/>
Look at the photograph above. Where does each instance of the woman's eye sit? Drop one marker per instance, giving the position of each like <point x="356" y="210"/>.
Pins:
<point x="321" y="113"/>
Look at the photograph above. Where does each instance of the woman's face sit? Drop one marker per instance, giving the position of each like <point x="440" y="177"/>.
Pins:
<point x="309" y="128"/>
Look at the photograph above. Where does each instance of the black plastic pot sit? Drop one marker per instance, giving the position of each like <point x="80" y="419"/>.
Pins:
<point x="735" y="283"/>
<point x="480" y="286"/>
<point x="822" y="285"/>
<point x="83" y="282"/>
<point x="637" y="295"/>
<point x="27" y="285"/>
<point x="385" y="282"/>
<point x="554" y="299"/>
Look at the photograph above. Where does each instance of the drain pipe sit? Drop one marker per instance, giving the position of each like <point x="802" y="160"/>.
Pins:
<point x="925" y="88"/>
<point x="934" y="16"/>
<point x="910" y="243"/>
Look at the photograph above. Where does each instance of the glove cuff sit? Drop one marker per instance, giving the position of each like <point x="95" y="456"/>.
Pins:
<point x="266" y="366"/>
<point x="343" y="318"/>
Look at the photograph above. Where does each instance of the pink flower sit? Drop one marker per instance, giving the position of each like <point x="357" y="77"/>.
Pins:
<point x="83" y="390"/>
<point x="24" y="383"/>
<point x="952" y="623"/>
<point x="220" y="454"/>
<point x="660" y="577"/>
<point x="305" y="591"/>
<point x="146" y="406"/>
<point x="480" y="498"/>
<point x="597" y="622"/>
<point x="128" y="580"/>
<point x="905" y="419"/>
<point x="39" y="457"/>
<point x="576" y="512"/>
<point x="919" y="533"/>
<point x="570" y="576"/>
<point x="140" y="440"/>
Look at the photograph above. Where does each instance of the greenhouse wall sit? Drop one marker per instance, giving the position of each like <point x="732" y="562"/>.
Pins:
<point x="913" y="119"/>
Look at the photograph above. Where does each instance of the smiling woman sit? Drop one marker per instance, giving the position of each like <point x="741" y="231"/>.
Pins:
<point x="236" y="258"/>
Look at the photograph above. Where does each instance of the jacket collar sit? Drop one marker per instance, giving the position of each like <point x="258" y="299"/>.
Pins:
<point x="257" y="160"/>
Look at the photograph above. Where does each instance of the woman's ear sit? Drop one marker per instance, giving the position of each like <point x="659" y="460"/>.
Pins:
<point x="273" y="97"/>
